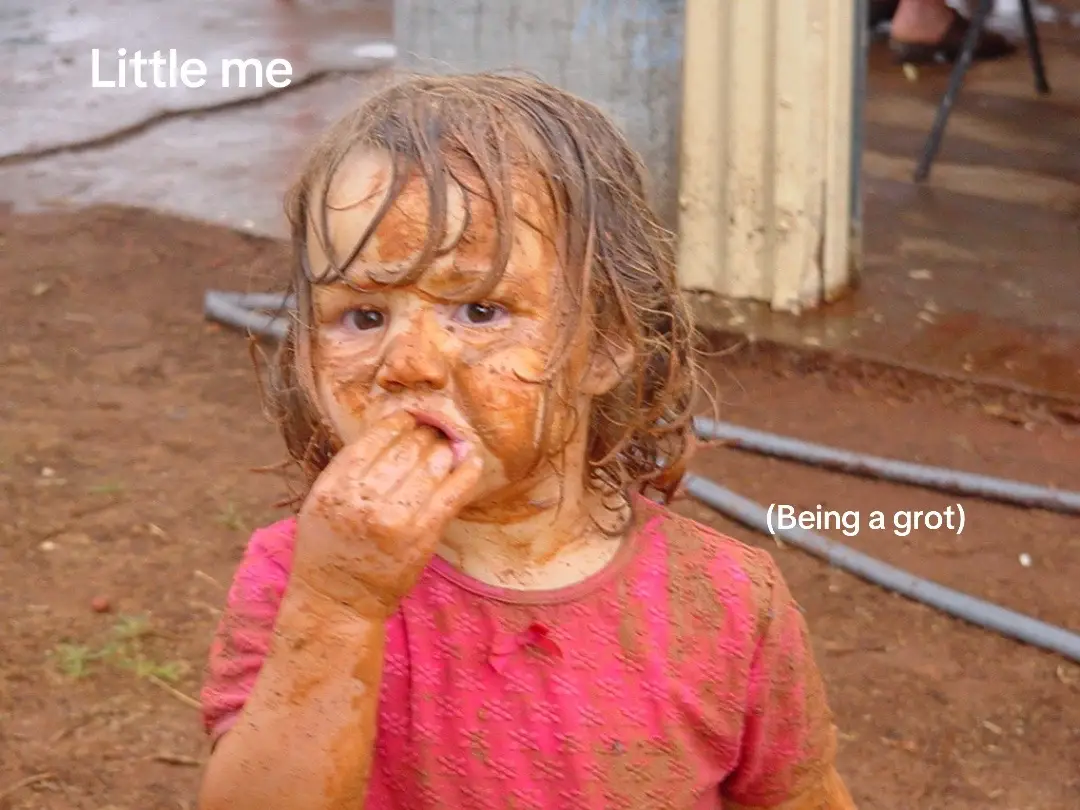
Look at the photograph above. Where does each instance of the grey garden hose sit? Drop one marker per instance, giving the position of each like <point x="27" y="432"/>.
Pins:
<point x="251" y="312"/>
<point x="938" y="478"/>
<point x="962" y="606"/>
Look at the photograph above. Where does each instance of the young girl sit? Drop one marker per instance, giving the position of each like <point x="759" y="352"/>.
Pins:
<point x="474" y="606"/>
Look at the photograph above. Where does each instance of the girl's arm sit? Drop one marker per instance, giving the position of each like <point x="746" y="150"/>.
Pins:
<point x="789" y="740"/>
<point x="305" y="697"/>
<point x="827" y="793"/>
<point x="304" y="738"/>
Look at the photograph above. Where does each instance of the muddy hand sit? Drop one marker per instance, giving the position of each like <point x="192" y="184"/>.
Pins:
<point x="376" y="514"/>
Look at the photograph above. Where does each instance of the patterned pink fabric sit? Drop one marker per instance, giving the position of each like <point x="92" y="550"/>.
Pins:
<point x="677" y="677"/>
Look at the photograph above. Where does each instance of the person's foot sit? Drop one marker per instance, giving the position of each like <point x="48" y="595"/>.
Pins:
<point x="916" y="47"/>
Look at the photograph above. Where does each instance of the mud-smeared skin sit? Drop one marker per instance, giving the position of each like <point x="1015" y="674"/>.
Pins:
<point x="829" y="793"/>
<point x="320" y="681"/>
<point x="366" y="531"/>
<point x="486" y="382"/>
<point x="374" y="517"/>
<point x="487" y="379"/>
<point x="499" y="158"/>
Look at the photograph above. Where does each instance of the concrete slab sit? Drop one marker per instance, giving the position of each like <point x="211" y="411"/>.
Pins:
<point x="46" y="97"/>
<point x="227" y="168"/>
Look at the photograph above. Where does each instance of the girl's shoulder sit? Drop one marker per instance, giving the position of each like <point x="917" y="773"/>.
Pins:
<point x="264" y="570"/>
<point x="243" y="635"/>
<point x="697" y="556"/>
<point x="694" y="543"/>
<point x="274" y="541"/>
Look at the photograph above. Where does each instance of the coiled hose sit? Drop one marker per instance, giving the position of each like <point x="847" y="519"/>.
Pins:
<point x="251" y="312"/>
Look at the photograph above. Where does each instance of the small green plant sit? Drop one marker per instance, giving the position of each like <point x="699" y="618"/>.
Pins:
<point x="123" y="650"/>
<point x="75" y="660"/>
<point x="169" y="671"/>
<point x="131" y="628"/>
<point x="231" y="518"/>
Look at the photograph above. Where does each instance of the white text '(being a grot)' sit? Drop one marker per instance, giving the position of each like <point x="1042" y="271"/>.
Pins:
<point x="784" y="517"/>
<point x="165" y="70"/>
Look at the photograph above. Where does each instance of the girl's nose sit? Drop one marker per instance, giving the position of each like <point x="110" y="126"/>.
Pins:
<point x="415" y="358"/>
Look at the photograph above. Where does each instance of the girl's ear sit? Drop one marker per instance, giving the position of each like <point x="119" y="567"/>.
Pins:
<point x="610" y="363"/>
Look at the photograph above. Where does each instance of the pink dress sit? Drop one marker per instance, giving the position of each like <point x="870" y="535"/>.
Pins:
<point x="680" y="677"/>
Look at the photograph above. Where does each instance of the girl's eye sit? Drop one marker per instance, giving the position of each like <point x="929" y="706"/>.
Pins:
<point x="480" y="314"/>
<point x="364" y="319"/>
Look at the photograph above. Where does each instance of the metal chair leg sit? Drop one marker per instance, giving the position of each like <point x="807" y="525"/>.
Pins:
<point x="1031" y="32"/>
<point x="956" y="79"/>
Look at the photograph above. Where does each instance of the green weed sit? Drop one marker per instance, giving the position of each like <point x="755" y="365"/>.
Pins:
<point x="123" y="649"/>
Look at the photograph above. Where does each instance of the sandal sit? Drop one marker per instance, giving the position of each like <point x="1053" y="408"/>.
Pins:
<point x="991" y="45"/>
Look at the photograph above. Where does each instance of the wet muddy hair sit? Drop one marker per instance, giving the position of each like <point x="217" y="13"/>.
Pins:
<point x="481" y="132"/>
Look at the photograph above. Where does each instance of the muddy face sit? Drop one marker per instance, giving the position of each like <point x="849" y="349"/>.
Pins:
<point x="473" y="369"/>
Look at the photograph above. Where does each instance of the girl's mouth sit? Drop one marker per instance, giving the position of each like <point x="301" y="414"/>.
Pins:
<point x="458" y="446"/>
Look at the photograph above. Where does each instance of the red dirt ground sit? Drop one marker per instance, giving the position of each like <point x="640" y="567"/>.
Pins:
<point x="129" y="427"/>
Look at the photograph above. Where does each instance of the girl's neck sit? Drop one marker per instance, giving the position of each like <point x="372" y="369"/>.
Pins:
<point x="564" y="539"/>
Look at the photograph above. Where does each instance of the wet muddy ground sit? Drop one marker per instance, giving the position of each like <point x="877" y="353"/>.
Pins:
<point x="129" y="428"/>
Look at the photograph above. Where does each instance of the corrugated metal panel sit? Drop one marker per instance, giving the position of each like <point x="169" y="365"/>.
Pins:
<point x="766" y="203"/>
<point x="623" y="55"/>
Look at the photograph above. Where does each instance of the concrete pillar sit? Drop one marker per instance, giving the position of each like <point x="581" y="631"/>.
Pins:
<point x="623" y="55"/>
